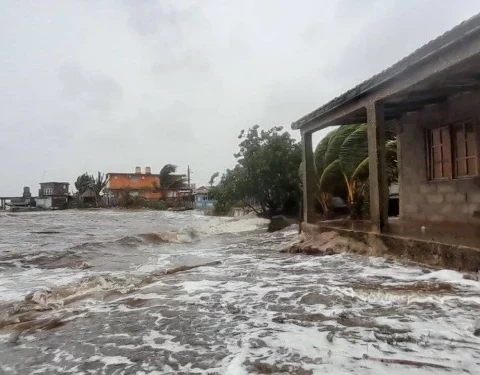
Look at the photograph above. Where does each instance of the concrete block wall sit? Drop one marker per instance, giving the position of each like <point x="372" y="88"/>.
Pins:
<point x="436" y="201"/>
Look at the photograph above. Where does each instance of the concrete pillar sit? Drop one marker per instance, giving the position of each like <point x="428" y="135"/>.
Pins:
<point x="377" y="167"/>
<point x="308" y="178"/>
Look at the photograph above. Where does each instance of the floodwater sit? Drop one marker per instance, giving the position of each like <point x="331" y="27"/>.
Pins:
<point x="113" y="292"/>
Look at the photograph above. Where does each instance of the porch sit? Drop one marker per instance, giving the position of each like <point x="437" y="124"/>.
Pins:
<point x="432" y="96"/>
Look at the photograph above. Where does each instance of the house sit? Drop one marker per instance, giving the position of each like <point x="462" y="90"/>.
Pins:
<point x="137" y="184"/>
<point x="203" y="198"/>
<point x="52" y="195"/>
<point x="88" y="197"/>
<point x="433" y="97"/>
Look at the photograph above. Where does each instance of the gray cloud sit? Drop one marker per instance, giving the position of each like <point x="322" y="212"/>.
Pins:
<point x="97" y="91"/>
<point x="109" y="85"/>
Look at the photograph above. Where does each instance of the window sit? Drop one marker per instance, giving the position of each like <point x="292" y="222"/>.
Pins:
<point x="47" y="191"/>
<point x="440" y="154"/>
<point x="452" y="151"/>
<point x="465" y="143"/>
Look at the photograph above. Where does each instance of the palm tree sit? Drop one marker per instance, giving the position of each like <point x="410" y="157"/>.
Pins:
<point x="98" y="184"/>
<point x="169" y="180"/>
<point x="341" y="160"/>
<point x="213" y="178"/>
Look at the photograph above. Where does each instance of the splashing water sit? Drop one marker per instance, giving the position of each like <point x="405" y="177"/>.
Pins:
<point x="116" y="292"/>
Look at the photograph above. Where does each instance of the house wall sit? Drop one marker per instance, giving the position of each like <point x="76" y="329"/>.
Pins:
<point x="58" y="188"/>
<point x="436" y="201"/>
<point x="144" y="184"/>
<point x="132" y="181"/>
<point x="203" y="201"/>
<point x="45" y="202"/>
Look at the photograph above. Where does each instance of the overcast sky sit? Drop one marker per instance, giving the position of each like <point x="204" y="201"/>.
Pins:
<point x="108" y="85"/>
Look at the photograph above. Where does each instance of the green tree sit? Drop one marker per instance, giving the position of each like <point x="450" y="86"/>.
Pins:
<point x="84" y="182"/>
<point x="341" y="160"/>
<point x="214" y="176"/>
<point x="265" y="178"/>
<point x="169" y="180"/>
<point x="87" y="181"/>
<point x="98" y="184"/>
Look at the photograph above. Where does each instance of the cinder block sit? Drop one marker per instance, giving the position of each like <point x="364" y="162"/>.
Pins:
<point x="455" y="197"/>
<point x="427" y="188"/>
<point x="447" y="208"/>
<point x="470" y="208"/>
<point x="410" y="208"/>
<point x="473" y="197"/>
<point x="447" y="187"/>
<point x="434" y="198"/>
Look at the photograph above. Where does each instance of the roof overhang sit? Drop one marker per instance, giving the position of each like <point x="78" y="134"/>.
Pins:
<point x="447" y="65"/>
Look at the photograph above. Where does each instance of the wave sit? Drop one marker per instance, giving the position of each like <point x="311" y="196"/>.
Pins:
<point x="231" y="225"/>
<point x="77" y="256"/>
<point x="187" y="236"/>
<point x="47" y="309"/>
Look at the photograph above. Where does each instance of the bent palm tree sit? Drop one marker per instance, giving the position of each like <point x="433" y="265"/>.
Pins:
<point x="341" y="160"/>
<point x="169" y="180"/>
<point x="213" y="178"/>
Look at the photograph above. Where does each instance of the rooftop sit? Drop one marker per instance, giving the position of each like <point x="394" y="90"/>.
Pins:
<point x="55" y="182"/>
<point x="429" y="51"/>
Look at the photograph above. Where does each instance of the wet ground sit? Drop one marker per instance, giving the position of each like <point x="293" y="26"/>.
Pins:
<point x="121" y="293"/>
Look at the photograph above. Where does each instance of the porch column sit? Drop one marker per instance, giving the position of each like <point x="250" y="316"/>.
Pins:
<point x="377" y="167"/>
<point x="308" y="178"/>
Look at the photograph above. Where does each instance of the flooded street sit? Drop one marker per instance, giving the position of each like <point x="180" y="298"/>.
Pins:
<point x="115" y="292"/>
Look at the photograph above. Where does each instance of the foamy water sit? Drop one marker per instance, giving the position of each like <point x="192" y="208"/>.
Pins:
<point x="110" y="298"/>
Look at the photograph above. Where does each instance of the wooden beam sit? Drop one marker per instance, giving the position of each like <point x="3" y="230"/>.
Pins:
<point x="377" y="167"/>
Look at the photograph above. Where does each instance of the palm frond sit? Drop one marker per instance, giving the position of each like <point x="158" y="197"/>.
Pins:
<point x="320" y="152"/>
<point x="330" y="177"/>
<point x="336" y="141"/>
<point x="165" y="175"/>
<point x="353" y="150"/>
<point x="361" y="172"/>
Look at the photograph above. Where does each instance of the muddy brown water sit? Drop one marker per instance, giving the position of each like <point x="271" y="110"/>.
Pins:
<point x="113" y="292"/>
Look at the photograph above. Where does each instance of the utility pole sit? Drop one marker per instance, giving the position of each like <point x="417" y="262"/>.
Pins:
<point x="189" y="184"/>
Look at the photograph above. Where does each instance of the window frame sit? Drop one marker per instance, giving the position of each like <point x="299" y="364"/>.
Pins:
<point x="453" y="151"/>
<point x="465" y="158"/>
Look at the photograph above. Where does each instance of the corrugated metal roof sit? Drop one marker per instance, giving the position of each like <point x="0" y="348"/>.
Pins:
<point x="454" y="35"/>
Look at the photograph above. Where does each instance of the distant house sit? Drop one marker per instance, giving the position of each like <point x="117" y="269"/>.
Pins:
<point x="136" y="184"/>
<point x="203" y="198"/>
<point x="88" y="196"/>
<point x="52" y="194"/>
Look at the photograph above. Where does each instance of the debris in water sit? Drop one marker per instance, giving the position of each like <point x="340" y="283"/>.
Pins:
<point x="476" y="330"/>
<point x="330" y="336"/>
<point x="407" y="362"/>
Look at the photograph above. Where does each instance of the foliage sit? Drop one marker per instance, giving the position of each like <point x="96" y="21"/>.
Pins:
<point x="98" y="185"/>
<point x="342" y="167"/>
<point x="265" y="178"/>
<point x="84" y="182"/>
<point x="214" y="176"/>
<point x="169" y="180"/>
<point x="128" y="200"/>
